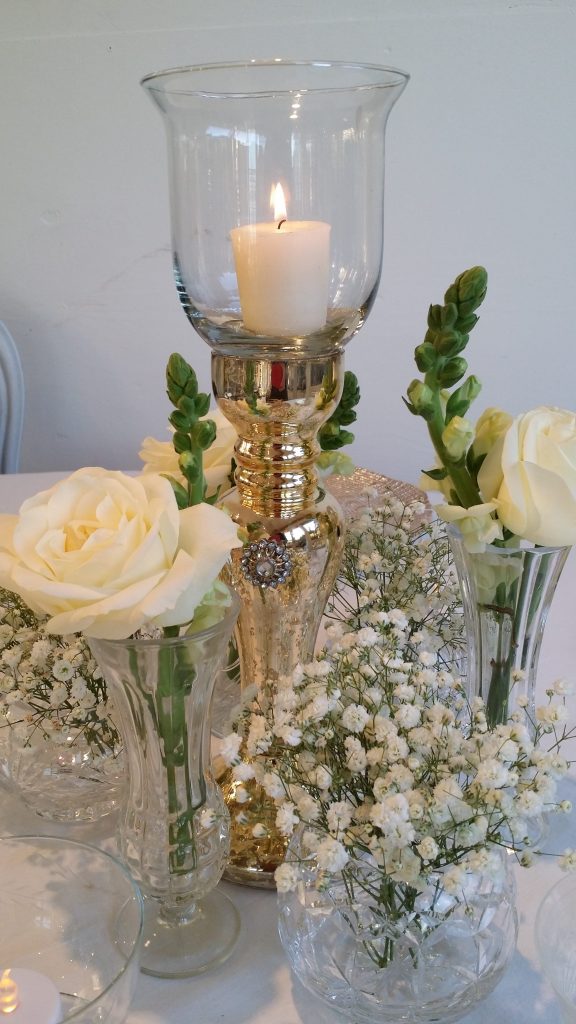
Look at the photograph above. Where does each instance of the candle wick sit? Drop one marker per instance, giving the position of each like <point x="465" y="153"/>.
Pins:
<point x="281" y="222"/>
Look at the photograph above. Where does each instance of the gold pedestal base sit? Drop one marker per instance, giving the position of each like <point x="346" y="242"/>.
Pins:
<point x="294" y="539"/>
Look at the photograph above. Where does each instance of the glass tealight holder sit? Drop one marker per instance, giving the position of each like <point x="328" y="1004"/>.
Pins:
<point x="71" y="932"/>
<point x="556" y="943"/>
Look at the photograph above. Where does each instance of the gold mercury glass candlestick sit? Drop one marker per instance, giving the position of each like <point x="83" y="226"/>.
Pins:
<point x="276" y="297"/>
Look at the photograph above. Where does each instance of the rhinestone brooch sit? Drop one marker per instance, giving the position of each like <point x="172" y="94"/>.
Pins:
<point x="266" y="563"/>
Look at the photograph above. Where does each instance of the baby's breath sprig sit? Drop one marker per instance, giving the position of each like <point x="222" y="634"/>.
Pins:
<point x="50" y="686"/>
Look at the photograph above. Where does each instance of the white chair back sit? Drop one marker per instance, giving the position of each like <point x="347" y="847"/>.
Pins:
<point x="11" y="402"/>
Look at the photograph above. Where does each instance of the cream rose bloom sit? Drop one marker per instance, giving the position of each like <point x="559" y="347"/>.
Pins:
<point x="103" y="553"/>
<point x="160" y="456"/>
<point x="531" y="476"/>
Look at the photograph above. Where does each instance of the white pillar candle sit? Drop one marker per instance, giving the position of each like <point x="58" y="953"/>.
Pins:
<point x="283" y="271"/>
<point x="28" y="997"/>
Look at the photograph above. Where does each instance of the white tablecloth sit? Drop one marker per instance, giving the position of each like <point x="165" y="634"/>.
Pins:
<point x="255" y="986"/>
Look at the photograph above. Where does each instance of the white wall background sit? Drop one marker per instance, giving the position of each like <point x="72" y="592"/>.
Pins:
<point x="480" y="169"/>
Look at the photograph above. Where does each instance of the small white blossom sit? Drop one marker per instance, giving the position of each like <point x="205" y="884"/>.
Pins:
<point x="331" y="855"/>
<point x="207" y="817"/>
<point x="230" y="748"/>
<point x="567" y="860"/>
<point x="286" y="877"/>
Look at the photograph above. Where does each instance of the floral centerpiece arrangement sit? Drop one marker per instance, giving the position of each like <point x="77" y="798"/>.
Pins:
<point x="510" y="498"/>
<point x="399" y="798"/>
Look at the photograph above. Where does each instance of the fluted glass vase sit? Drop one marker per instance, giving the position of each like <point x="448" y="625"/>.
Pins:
<point x="506" y="596"/>
<point x="379" y="951"/>
<point x="175" y="831"/>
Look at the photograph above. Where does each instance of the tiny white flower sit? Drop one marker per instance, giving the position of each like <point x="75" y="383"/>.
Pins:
<point x="567" y="860"/>
<point x="354" y="718"/>
<point x="286" y="819"/>
<point x="230" y="748"/>
<point x="286" y="877"/>
<point x="207" y="817"/>
<point x="63" y="670"/>
<point x="331" y="855"/>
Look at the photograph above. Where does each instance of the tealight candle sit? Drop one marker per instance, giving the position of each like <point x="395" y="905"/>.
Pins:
<point x="283" y="271"/>
<point x="28" y="997"/>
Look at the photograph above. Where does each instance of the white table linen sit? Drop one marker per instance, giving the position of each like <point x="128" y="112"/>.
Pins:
<point x="256" y="986"/>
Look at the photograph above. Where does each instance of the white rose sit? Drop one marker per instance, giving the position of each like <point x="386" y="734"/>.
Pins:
<point x="531" y="475"/>
<point x="476" y="524"/>
<point x="103" y="553"/>
<point x="161" y="457"/>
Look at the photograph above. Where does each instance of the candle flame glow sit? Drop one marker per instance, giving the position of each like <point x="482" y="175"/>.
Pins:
<point x="8" y="994"/>
<point x="277" y="202"/>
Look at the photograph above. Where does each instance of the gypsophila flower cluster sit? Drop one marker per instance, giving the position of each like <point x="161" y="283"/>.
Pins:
<point x="397" y="562"/>
<point x="374" y="750"/>
<point x="50" y="686"/>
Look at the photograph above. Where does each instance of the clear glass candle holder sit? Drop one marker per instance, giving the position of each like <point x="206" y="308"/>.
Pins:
<point x="276" y="182"/>
<point x="72" y="914"/>
<point x="556" y="943"/>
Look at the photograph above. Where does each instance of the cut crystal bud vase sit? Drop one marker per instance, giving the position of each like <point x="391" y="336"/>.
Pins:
<point x="380" y="951"/>
<point x="277" y="190"/>
<point x="175" y="831"/>
<point x="506" y="596"/>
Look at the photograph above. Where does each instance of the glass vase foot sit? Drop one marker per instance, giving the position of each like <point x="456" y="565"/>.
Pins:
<point x="188" y="942"/>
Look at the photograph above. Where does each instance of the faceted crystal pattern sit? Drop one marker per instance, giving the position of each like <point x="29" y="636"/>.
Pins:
<point x="440" y="960"/>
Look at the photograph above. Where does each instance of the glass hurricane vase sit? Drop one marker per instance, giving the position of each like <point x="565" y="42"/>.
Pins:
<point x="175" y="832"/>
<point x="379" y="951"/>
<point x="506" y="596"/>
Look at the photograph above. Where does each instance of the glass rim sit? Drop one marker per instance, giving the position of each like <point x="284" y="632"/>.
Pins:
<point x="159" y="81"/>
<point x="230" y="612"/>
<point x="526" y="546"/>
<point x="136" y="896"/>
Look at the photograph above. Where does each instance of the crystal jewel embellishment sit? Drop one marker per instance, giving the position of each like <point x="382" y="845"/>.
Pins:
<point x="266" y="563"/>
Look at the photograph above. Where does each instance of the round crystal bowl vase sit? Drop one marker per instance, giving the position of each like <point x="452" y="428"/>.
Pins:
<point x="353" y="941"/>
<point x="277" y="189"/>
<point x="506" y="596"/>
<point x="71" y="914"/>
<point x="76" y="779"/>
<point x="175" y="832"/>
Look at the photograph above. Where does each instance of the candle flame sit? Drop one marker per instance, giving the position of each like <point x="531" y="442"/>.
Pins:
<point x="8" y="994"/>
<point x="278" y="203"/>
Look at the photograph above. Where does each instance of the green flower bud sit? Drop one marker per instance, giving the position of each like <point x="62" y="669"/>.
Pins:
<point x="202" y="403"/>
<point x="461" y="399"/>
<point x="204" y="433"/>
<point x="426" y="357"/>
<point x="457" y="436"/>
<point x="468" y="290"/>
<point x="187" y="406"/>
<point x="178" y="376"/>
<point x="179" y="421"/>
<point x="181" y="442"/>
<point x="449" y="314"/>
<point x="452" y="371"/>
<point x="190" y="466"/>
<point x="449" y="342"/>
<point x="421" y="398"/>
<point x="435" y="317"/>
